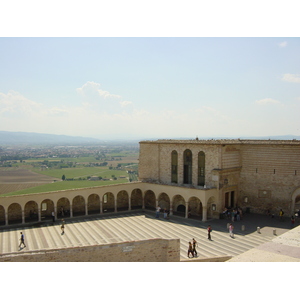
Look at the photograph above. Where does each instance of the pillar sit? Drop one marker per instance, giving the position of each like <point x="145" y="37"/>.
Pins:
<point x="129" y="204"/>
<point x="6" y="218"/>
<point x="115" y="205"/>
<point x="86" y="208"/>
<point x="23" y="216"/>
<point x="186" y="210"/>
<point x="204" y="213"/>
<point x="101" y="206"/>
<point x="171" y="208"/>
<point x="55" y="212"/>
<point x="71" y="211"/>
<point x="40" y="214"/>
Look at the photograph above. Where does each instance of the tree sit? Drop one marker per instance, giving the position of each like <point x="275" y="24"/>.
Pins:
<point x="63" y="177"/>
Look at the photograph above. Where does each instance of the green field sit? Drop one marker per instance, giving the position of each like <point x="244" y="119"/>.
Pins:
<point x="65" y="185"/>
<point x="80" y="172"/>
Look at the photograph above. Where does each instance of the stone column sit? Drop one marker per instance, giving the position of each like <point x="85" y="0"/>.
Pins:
<point x="204" y="213"/>
<point x="6" y="218"/>
<point x="186" y="209"/>
<point x="171" y="208"/>
<point x="116" y="205"/>
<point x="101" y="206"/>
<point x="71" y="211"/>
<point x="86" y="208"/>
<point x="55" y="212"/>
<point x="40" y="214"/>
<point x="23" y="216"/>
<point x="129" y="204"/>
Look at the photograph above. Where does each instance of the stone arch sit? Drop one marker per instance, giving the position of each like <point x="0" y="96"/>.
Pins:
<point x="108" y="202"/>
<point x="295" y="201"/>
<point x="31" y="211"/>
<point x="14" y="213"/>
<point x="63" y="207"/>
<point x="78" y="206"/>
<point x="150" y="200"/>
<point x="179" y="205"/>
<point x="47" y="207"/>
<point x="122" y="201"/>
<point x="93" y="204"/>
<point x="2" y="215"/>
<point x="136" y="199"/>
<point x="195" y="207"/>
<point x="187" y="166"/>
<point x="174" y="166"/>
<point x="164" y="201"/>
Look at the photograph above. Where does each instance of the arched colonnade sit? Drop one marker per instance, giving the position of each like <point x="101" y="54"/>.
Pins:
<point x="126" y="197"/>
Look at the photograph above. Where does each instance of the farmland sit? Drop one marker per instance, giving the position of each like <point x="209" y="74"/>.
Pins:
<point x="88" y="168"/>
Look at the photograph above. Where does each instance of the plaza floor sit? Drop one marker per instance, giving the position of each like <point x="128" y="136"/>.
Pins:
<point x="141" y="225"/>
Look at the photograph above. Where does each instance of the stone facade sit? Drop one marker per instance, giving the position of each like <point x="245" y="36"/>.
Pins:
<point x="153" y="250"/>
<point x="206" y="176"/>
<point x="255" y="175"/>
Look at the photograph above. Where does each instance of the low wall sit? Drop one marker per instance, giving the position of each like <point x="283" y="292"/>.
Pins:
<point x="153" y="250"/>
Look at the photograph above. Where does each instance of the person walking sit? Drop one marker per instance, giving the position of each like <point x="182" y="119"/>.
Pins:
<point x="190" y="250"/>
<point x="231" y="230"/>
<point x="22" y="240"/>
<point x="53" y="217"/>
<point x="62" y="226"/>
<point x="209" y="230"/>
<point x="194" y="247"/>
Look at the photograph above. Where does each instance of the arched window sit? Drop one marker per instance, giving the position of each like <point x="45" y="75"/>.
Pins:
<point x="174" y="167"/>
<point x="201" y="168"/>
<point x="187" y="166"/>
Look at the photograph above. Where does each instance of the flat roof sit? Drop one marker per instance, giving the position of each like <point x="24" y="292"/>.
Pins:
<point x="224" y="141"/>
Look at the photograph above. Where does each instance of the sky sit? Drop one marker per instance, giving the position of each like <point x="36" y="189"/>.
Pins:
<point x="166" y="85"/>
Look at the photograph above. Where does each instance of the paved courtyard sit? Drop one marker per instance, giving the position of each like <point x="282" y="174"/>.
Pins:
<point x="138" y="225"/>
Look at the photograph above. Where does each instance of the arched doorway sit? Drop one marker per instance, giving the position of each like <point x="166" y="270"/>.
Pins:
<point x="150" y="200"/>
<point x="14" y="213"/>
<point x="164" y="201"/>
<point x="187" y="166"/>
<point x="195" y="208"/>
<point x="47" y="207"/>
<point x="2" y="215"/>
<point x="78" y="207"/>
<point x="108" y="202"/>
<point x="136" y="199"/>
<point x="179" y="206"/>
<point x="31" y="211"/>
<point x="63" y="208"/>
<point x="93" y="204"/>
<point x="122" y="201"/>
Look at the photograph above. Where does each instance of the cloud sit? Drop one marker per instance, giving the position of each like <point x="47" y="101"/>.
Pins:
<point x="291" y="77"/>
<point x="14" y="102"/>
<point x="282" y="45"/>
<point x="125" y="103"/>
<point x="92" y="89"/>
<point x="267" y="101"/>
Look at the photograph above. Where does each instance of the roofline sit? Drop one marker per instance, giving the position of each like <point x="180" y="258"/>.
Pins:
<point x="224" y="142"/>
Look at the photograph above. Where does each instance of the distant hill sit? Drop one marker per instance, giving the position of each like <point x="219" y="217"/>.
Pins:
<point x="30" y="138"/>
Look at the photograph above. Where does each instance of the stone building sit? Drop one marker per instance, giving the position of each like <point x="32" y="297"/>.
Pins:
<point x="255" y="175"/>
<point x="192" y="178"/>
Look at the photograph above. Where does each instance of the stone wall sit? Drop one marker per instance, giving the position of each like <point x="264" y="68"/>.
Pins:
<point x="153" y="250"/>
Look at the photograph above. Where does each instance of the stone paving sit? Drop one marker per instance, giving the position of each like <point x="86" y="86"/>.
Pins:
<point x="138" y="225"/>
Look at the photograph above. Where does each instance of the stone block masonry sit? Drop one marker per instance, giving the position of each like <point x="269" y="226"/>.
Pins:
<point x="153" y="250"/>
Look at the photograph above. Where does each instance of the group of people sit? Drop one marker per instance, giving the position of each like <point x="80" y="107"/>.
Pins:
<point x="166" y="213"/>
<point x="192" y="248"/>
<point x="235" y="214"/>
